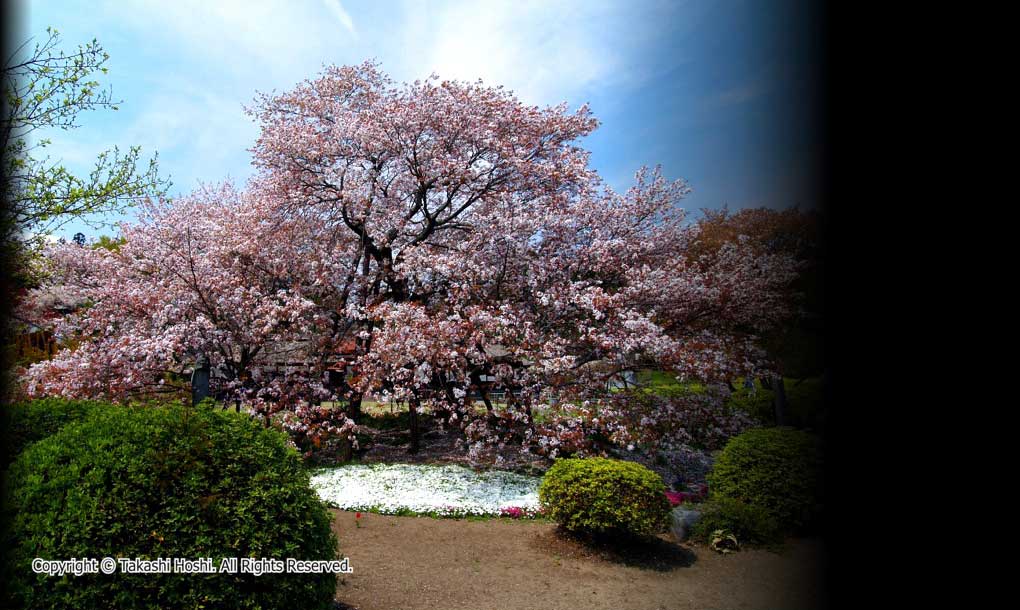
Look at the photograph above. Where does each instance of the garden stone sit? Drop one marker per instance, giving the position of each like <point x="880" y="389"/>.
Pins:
<point x="683" y="520"/>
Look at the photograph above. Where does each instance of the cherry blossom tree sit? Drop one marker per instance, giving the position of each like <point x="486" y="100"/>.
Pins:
<point x="486" y="245"/>
<point x="218" y="274"/>
<point x="452" y="233"/>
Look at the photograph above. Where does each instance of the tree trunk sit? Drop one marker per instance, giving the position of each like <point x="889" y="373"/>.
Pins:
<point x="412" y="417"/>
<point x="476" y="379"/>
<point x="450" y="398"/>
<point x="354" y="408"/>
<point x="779" y="399"/>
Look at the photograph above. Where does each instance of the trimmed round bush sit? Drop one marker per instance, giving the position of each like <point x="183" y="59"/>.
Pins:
<point x="752" y="525"/>
<point x="170" y="482"/>
<point x="777" y="469"/>
<point x="605" y="497"/>
<point x="27" y="422"/>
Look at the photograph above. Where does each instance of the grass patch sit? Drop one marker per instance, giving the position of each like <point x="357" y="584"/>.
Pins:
<point x="804" y="399"/>
<point x="665" y="382"/>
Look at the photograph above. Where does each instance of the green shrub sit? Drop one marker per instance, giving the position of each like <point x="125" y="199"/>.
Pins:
<point x="164" y="482"/>
<point x="27" y="422"/>
<point x="752" y="525"/>
<point x="605" y="497"/>
<point x="776" y="469"/>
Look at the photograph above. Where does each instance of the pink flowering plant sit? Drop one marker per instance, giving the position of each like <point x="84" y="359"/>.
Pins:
<point x="697" y="493"/>
<point x="674" y="497"/>
<point x="521" y="512"/>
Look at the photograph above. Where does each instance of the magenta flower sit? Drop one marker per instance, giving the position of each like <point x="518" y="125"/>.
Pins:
<point x="514" y="512"/>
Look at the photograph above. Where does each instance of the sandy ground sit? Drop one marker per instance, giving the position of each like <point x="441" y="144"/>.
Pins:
<point x="405" y="563"/>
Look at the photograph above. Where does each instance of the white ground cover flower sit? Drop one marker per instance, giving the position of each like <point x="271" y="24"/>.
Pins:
<point x="437" y="490"/>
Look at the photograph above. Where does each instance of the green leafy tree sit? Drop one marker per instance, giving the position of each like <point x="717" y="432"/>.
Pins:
<point x="112" y="244"/>
<point x="48" y="89"/>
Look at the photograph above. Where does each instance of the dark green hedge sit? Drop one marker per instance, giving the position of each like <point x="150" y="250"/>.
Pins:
<point x="605" y="497"/>
<point x="27" y="422"/>
<point x="751" y="524"/>
<point x="776" y="469"/>
<point x="164" y="482"/>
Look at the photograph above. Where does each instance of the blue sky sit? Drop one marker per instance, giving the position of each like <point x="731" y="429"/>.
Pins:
<point x="717" y="91"/>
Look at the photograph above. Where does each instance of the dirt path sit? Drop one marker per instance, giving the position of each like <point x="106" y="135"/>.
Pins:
<point x="405" y="563"/>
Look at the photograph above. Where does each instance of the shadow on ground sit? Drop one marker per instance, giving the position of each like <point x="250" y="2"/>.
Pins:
<point x="659" y="554"/>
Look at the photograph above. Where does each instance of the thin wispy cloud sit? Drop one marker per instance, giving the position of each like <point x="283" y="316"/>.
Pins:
<point x="338" y="10"/>
<point x="740" y="94"/>
<point x="535" y="49"/>
<point x="240" y="40"/>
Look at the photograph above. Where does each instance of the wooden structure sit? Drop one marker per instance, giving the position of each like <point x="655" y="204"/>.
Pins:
<point x="35" y="345"/>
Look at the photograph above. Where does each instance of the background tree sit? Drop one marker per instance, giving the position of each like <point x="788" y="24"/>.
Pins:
<point x="46" y="89"/>
<point x="192" y="277"/>
<point x="796" y="344"/>
<point x="106" y="242"/>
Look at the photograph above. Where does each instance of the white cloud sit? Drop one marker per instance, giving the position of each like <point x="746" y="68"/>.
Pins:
<point x="266" y="39"/>
<point x="337" y="9"/>
<point x="202" y="135"/>
<point x="544" y="52"/>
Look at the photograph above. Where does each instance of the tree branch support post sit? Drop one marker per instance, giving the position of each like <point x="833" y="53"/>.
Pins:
<point x="200" y="380"/>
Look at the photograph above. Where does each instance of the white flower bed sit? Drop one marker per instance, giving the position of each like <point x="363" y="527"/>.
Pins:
<point x="437" y="490"/>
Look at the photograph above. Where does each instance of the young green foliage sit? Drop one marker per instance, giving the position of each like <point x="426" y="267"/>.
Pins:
<point x="47" y="89"/>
